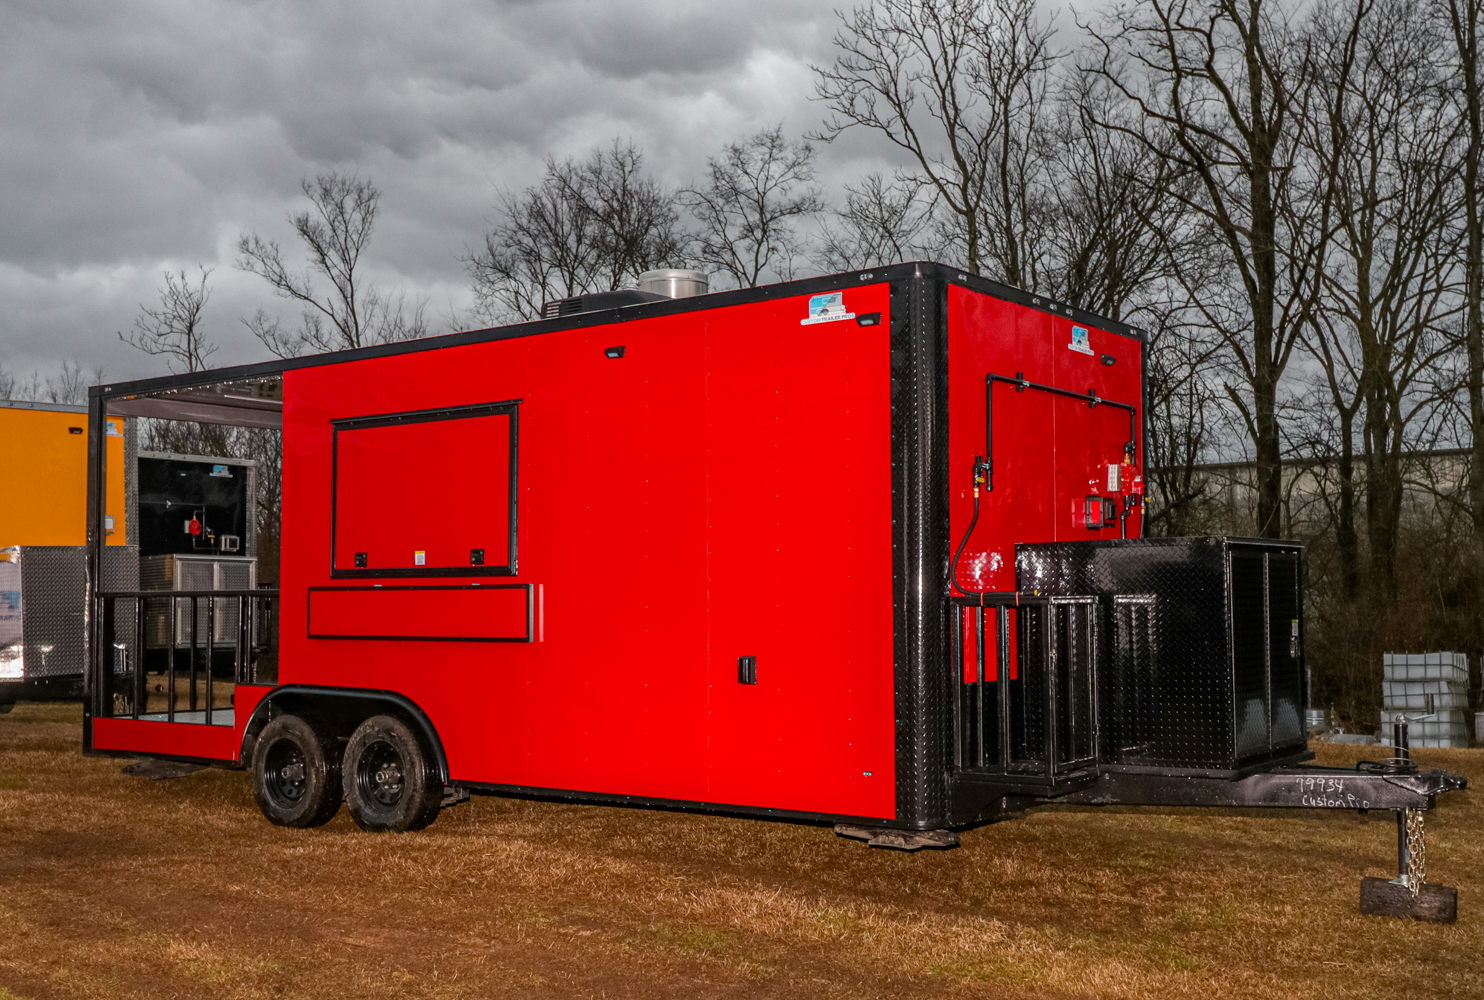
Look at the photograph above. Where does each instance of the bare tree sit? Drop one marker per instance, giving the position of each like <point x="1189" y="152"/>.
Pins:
<point x="1331" y="436"/>
<point x="1221" y="88"/>
<point x="958" y="85"/>
<point x="587" y="226"/>
<point x="1182" y="397"/>
<point x="1385" y="118"/>
<point x="1119" y="222"/>
<point x="68" y="386"/>
<point x="335" y="231"/>
<point x="1334" y="406"/>
<point x="175" y="328"/>
<point x="1018" y="215"/>
<point x="1464" y="17"/>
<point x="882" y="222"/>
<point x="755" y="192"/>
<point x="71" y="384"/>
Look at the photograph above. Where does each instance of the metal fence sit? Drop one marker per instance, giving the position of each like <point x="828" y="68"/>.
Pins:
<point x="1025" y="683"/>
<point x="211" y="640"/>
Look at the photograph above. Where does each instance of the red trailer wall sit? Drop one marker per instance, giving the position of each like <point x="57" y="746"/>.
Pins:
<point x="724" y="489"/>
<point x="1050" y="452"/>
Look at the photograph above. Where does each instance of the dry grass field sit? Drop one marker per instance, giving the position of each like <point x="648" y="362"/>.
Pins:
<point x="114" y="886"/>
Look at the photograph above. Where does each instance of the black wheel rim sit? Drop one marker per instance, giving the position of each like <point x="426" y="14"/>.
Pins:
<point x="379" y="774"/>
<point x="285" y="772"/>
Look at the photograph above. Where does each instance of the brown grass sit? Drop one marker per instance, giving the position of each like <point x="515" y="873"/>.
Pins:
<point x="119" y="886"/>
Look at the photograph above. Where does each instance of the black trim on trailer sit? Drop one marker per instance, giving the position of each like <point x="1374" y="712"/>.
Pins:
<point x="713" y="300"/>
<point x="94" y="538"/>
<point x="316" y="695"/>
<point x="529" y="588"/>
<point x="919" y="451"/>
<point x="507" y="407"/>
<point x="674" y="805"/>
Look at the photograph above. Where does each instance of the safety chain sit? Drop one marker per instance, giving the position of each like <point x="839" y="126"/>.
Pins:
<point x="1416" y="852"/>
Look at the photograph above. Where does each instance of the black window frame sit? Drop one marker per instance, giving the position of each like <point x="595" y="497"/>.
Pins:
<point x="507" y="407"/>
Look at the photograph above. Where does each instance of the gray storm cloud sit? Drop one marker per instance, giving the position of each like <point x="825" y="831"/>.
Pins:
<point x="137" y="137"/>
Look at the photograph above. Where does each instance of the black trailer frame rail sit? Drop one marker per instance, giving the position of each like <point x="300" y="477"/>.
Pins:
<point x="1303" y="786"/>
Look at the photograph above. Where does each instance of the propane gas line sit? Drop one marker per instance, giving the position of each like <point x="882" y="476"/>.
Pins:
<point x="982" y="473"/>
<point x="984" y="464"/>
<point x="1128" y="461"/>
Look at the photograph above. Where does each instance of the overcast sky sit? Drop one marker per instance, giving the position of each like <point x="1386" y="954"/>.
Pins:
<point x="140" y="136"/>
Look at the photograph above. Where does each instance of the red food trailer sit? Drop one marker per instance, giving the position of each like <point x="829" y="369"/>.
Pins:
<point x="860" y="549"/>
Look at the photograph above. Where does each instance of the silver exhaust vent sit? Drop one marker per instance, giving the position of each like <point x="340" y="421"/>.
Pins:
<point x="675" y="283"/>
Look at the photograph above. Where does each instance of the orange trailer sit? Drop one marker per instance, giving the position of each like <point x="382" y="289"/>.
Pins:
<point x="43" y="535"/>
<point x="44" y="455"/>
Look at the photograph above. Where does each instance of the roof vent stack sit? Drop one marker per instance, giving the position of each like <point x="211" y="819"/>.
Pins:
<point x="674" y="283"/>
<point x="654" y="286"/>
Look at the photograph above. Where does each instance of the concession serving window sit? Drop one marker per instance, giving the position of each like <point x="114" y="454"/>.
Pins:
<point x="425" y="493"/>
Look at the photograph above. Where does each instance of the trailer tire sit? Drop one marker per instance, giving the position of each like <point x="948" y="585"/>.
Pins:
<point x="296" y="780"/>
<point x="390" y="785"/>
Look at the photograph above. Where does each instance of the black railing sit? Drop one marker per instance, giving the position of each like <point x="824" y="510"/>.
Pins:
<point x="1035" y="713"/>
<point x="153" y="641"/>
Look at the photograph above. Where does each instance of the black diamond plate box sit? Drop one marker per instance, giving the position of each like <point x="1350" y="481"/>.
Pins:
<point x="1199" y="653"/>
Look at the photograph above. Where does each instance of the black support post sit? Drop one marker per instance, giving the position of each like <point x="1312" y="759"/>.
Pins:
<point x="919" y="427"/>
<point x="1002" y="680"/>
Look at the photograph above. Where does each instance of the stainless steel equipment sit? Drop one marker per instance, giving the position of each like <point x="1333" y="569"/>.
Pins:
<point x="174" y="572"/>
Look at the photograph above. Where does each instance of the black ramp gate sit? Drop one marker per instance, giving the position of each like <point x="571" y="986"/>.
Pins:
<point x="1027" y="707"/>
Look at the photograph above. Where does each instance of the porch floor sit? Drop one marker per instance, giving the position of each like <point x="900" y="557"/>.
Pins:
<point x="219" y="717"/>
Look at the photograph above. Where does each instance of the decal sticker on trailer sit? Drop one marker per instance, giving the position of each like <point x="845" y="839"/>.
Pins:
<point x="1080" y="341"/>
<point x="828" y="308"/>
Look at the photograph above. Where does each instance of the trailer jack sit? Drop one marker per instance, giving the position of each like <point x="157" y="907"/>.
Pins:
<point x="1408" y="896"/>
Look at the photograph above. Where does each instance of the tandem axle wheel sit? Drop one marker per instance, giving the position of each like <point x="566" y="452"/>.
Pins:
<point x="384" y="776"/>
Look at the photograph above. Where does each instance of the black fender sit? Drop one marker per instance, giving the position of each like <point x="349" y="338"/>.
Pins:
<point x="337" y="711"/>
